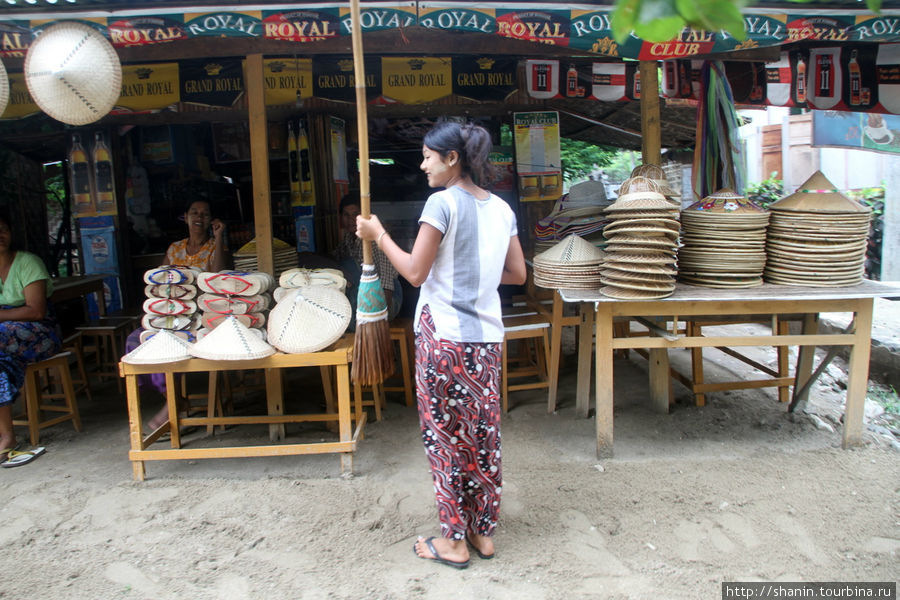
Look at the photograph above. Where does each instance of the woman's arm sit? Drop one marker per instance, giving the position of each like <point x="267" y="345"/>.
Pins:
<point x="219" y="259"/>
<point x="35" y="307"/>
<point x="514" y="268"/>
<point x="413" y="266"/>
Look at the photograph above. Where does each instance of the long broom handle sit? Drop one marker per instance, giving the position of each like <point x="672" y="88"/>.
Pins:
<point x="362" y="123"/>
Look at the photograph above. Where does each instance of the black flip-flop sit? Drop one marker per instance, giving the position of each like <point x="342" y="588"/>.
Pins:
<point x="437" y="557"/>
<point x="480" y="554"/>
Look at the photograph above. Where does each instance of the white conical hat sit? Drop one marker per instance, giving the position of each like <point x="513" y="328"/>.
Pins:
<point x="572" y="250"/>
<point x="231" y="340"/>
<point x="163" y="347"/>
<point x="308" y="319"/>
<point x="73" y="73"/>
<point x="4" y="88"/>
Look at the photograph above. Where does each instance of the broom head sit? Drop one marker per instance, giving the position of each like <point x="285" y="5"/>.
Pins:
<point x="373" y="351"/>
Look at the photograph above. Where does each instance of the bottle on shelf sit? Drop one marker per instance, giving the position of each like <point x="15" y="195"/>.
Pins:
<point x="103" y="175"/>
<point x="801" y="80"/>
<point x="81" y="177"/>
<point x="855" y="79"/>
<point x="293" y="167"/>
<point x="307" y="194"/>
<point x="571" y="82"/>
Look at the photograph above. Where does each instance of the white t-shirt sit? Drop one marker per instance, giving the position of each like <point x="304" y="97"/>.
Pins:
<point x="461" y="289"/>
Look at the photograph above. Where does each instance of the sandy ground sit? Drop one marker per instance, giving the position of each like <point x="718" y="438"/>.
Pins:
<point x="736" y="490"/>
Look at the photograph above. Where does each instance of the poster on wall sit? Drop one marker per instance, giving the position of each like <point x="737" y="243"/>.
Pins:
<point x="91" y="178"/>
<point x="538" y="154"/>
<point x="860" y="131"/>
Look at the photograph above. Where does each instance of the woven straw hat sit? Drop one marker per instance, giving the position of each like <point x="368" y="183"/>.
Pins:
<point x="4" y="88"/>
<point x="161" y="347"/>
<point x="586" y="193"/>
<point x="571" y="250"/>
<point x="639" y="193"/>
<point x="726" y="201"/>
<point x="308" y="319"/>
<point x="819" y="195"/>
<point x="231" y="340"/>
<point x="657" y="175"/>
<point x="73" y="73"/>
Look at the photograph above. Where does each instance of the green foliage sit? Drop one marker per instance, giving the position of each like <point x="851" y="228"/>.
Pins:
<point x="663" y="20"/>
<point x="767" y="191"/>
<point x="886" y="396"/>
<point x="580" y="158"/>
<point x="873" y="197"/>
<point x="621" y="165"/>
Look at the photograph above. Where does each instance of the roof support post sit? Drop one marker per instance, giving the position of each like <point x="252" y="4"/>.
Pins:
<point x="651" y="143"/>
<point x="259" y="162"/>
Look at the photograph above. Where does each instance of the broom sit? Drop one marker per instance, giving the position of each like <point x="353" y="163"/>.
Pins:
<point x="373" y="351"/>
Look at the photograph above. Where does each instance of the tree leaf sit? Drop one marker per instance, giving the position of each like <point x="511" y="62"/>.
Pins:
<point x="624" y="18"/>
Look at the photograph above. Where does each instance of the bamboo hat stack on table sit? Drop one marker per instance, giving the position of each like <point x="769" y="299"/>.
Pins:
<point x="817" y="237"/>
<point x="239" y="294"/>
<point x="657" y="175"/>
<point x="570" y="264"/>
<point x="579" y="212"/>
<point x="723" y="242"/>
<point x="171" y="302"/>
<point x="284" y="257"/>
<point x="641" y="240"/>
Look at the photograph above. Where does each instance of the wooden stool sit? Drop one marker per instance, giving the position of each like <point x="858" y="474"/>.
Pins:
<point x="528" y="329"/>
<point x="73" y="344"/>
<point x="109" y="335"/>
<point x="402" y="332"/>
<point x="37" y="392"/>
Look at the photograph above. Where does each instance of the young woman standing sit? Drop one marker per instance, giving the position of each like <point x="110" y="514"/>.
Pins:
<point x="467" y="245"/>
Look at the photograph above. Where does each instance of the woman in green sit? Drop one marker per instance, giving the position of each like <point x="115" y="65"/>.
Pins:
<point x="27" y="332"/>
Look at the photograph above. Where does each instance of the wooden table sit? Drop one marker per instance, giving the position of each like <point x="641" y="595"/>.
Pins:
<point x="337" y="358"/>
<point x="69" y="288"/>
<point x="689" y="301"/>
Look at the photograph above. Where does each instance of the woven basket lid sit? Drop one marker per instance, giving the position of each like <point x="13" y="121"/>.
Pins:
<point x="231" y="340"/>
<point x="726" y="201"/>
<point x="4" y="88"/>
<point x="73" y="73"/>
<point x="587" y="192"/>
<point x="818" y="194"/>
<point x="573" y="249"/>
<point x="162" y="347"/>
<point x="308" y="319"/>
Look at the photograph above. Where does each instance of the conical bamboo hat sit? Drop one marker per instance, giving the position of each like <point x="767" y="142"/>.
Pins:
<point x="573" y="249"/>
<point x="73" y="73"/>
<point x="231" y="340"/>
<point x="819" y="195"/>
<point x="725" y="201"/>
<point x="163" y="347"/>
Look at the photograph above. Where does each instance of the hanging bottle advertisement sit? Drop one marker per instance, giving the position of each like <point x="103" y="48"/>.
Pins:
<point x="91" y="174"/>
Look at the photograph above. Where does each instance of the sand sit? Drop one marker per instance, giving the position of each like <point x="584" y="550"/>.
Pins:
<point x="736" y="490"/>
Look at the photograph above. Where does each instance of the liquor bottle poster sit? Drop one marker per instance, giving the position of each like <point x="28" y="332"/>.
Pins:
<point x="104" y="190"/>
<point x="538" y="151"/>
<point x="304" y="168"/>
<point x="80" y="177"/>
<point x="91" y="172"/>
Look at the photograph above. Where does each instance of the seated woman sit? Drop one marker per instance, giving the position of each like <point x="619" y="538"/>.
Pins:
<point x="28" y="332"/>
<point x="204" y="249"/>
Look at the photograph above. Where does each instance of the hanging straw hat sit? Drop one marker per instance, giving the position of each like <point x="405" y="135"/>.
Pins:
<point x="161" y="347"/>
<point x="819" y="195"/>
<point x="231" y="340"/>
<point x="73" y="73"/>
<point x="308" y="319"/>
<point x="4" y="88"/>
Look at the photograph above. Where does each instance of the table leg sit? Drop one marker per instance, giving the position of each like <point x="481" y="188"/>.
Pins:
<point x="134" y="424"/>
<point x="555" y="350"/>
<point x="585" y="343"/>
<point x="344" y="424"/>
<point x="660" y="379"/>
<point x="805" y="354"/>
<point x="275" y="402"/>
<point x="604" y="379"/>
<point x="858" y="378"/>
<point x="172" y="403"/>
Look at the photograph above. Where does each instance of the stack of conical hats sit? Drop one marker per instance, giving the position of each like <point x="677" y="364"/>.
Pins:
<point x="817" y="237"/>
<point x="570" y="264"/>
<point x="579" y="212"/>
<point x="284" y="257"/>
<point x="723" y="242"/>
<point x="658" y="176"/>
<point x="640" y="242"/>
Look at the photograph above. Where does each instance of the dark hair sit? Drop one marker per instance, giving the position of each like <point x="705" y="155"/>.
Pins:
<point x="5" y="218"/>
<point x="190" y="203"/>
<point x="351" y="199"/>
<point x="472" y="143"/>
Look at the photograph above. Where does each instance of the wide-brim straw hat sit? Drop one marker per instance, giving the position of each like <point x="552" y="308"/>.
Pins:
<point x="309" y="319"/>
<point x="231" y="340"/>
<point x="4" y="88"/>
<point x="818" y="195"/>
<point x="572" y="250"/>
<point x="161" y="347"/>
<point x="639" y="193"/>
<point x="73" y="73"/>
<point x="589" y="192"/>
<point x="657" y="175"/>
